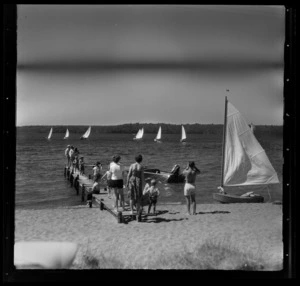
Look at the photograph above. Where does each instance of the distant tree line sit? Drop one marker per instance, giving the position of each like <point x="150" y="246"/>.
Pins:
<point x="132" y="128"/>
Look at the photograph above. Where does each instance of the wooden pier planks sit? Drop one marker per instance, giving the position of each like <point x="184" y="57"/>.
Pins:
<point x="82" y="184"/>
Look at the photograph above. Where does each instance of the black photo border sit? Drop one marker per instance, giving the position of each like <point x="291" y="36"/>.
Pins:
<point x="11" y="274"/>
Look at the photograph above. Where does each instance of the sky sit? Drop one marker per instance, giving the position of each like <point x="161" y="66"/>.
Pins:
<point x="116" y="64"/>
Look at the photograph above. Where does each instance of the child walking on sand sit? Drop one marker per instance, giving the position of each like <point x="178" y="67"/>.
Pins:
<point x="153" y="195"/>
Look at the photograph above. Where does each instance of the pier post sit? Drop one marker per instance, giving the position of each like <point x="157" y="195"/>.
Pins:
<point x="119" y="217"/>
<point x="71" y="179"/>
<point x="139" y="217"/>
<point x="90" y="177"/>
<point x="76" y="184"/>
<point x="101" y="205"/>
<point x="82" y="193"/>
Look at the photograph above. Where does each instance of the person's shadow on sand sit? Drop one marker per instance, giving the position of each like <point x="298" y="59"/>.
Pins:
<point x="160" y="219"/>
<point x="214" y="212"/>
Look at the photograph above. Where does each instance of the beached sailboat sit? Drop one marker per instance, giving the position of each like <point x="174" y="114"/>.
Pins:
<point x="50" y="134"/>
<point x="86" y="134"/>
<point x="183" y="134"/>
<point x="139" y="134"/>
<point x="158" y="136"/>
<point x="67" y="134"/>
<point x="244" y="161"/>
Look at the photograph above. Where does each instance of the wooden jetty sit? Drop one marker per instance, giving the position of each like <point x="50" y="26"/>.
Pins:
<point x="83" y="185"/>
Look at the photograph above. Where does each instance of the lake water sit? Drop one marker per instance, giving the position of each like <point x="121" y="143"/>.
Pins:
<point x="40" y="181"/>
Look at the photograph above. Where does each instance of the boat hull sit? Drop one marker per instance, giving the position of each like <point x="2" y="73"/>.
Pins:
<point x="229" y="199"/>
<point x="164" y="176"/>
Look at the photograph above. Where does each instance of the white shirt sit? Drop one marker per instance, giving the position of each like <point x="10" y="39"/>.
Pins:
<point x="116" y="171"/>
<point x="71" y="152"/>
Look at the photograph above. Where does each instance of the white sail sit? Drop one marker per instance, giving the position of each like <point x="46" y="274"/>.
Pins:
<point x="142" y="133"/>
<point x="252" y="127"/>
<point x="86" y="134"/>
<point x="139" y="134"/>
<point x="67" y="134"/>
<point x="50" y="133"/>
<point x="245" y="161"/>
<point x="158" y="136"/>
<point x="183" y="134"/>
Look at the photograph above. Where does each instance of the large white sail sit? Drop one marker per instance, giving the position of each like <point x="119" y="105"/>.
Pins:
<point x="86" y="134"/>
<point x="183" y="134"/>
<point x="67" y="134"/>
<point x="50" y="134"/>
<point x="245" y="161"/>
<point x="158" y="136"/>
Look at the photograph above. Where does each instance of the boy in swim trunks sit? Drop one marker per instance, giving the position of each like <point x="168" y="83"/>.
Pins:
<point x="190" y="173"/>
<point x="153" y="195"/>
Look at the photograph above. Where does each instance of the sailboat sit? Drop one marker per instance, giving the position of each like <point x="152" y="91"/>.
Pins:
<point x="139" y="135"/>
<point x="158" y="136"/>
<point x="86" y="134"/>
<point x="67" y="134"/>
<point x="244" y="161"/>
<point x="183" y="134"/>
<point x="50" y="134"/>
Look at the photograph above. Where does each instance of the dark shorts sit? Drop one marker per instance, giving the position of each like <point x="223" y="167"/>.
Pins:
<point x="97" y="177"/>
<point x="153" y="200"/>
<point x="109" y="183"/>
<point x="116" y="184"/>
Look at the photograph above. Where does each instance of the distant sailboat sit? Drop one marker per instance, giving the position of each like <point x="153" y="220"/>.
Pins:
<point x="67" y="134"/>
<point x="86" y="134"/>
<point x="158" y="136"/>
<point x="183" y="134"/>
<point x="50" y="134"/>
<point x="139" y="134"/>
<point x="244" y="161"/>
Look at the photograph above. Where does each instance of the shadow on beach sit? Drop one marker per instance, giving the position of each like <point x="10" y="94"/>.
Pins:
<point x="160" y="219"/>
<point x="214" y="212"/>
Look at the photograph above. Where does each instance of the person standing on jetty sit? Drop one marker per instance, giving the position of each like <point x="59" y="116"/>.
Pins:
<point x="108" y="179"/>
<point x="67" y="155"/>
<point x="153" y="195"/>
<point x="71" y="155"/>
<point x="135" y="181"/>
<point x="81" y="165"/>
<point x="190" y="173"/>
<point x="97" y="171"/>
<point x="95" y="190"/>
<point x="115" y="174"/>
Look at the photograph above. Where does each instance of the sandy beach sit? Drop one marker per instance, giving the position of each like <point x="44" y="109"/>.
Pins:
<point x="166" y="241"/>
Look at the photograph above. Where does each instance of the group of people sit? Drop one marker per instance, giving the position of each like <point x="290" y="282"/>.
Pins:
<point x="136" y="184"/>
<point x="74" y="159"/>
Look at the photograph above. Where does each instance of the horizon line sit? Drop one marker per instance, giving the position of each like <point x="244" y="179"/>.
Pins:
<point x="87" y="125"/>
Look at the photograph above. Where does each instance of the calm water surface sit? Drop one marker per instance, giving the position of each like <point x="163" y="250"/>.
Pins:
<point x="40" y="181"/>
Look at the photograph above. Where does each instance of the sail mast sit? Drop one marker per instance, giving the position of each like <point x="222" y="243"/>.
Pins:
<point x="224" y="141"/>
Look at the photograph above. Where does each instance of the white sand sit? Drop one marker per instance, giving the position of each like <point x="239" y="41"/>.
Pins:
<point x="251" y="228"/>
